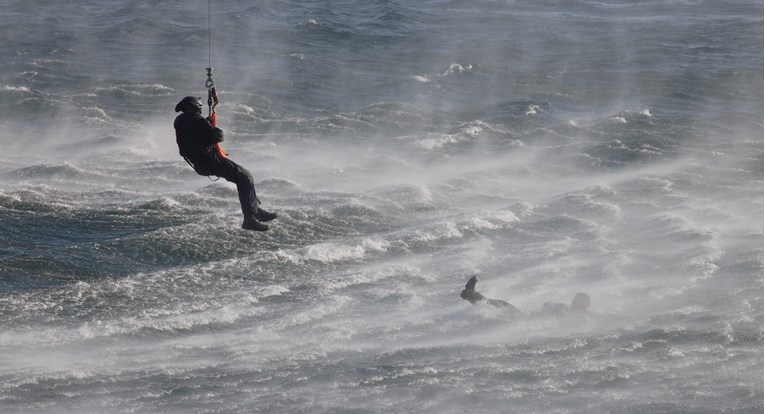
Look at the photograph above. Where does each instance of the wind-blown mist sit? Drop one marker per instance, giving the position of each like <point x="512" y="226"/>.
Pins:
<point x="612" y="148"/>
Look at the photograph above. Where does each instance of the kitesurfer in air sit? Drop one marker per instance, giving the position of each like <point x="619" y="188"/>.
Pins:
<point x="579" y="304"/>
<point x="197" y="139"/>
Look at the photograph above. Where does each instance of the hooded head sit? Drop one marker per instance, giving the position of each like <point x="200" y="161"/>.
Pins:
<point x="580" y="303"/>
<point x="189" y="104"/>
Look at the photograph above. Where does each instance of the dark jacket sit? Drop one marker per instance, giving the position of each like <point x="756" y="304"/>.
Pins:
<point x="195" y="136"/>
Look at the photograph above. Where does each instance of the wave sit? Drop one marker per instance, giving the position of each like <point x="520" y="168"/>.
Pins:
<point x="60" y="171"/>
<point x="405" y="146"/>
<point x="335" y="252"/>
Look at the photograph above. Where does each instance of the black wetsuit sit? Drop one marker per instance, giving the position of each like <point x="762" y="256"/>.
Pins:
<point x="196" y="139"/>
<point x="470" y="295"/>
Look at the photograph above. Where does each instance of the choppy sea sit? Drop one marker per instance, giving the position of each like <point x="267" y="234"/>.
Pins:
<point x="549" y="147"/>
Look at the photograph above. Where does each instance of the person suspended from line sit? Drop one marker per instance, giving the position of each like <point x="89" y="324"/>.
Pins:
<point x="579" y="304"/>
<point x="198" y="141"/>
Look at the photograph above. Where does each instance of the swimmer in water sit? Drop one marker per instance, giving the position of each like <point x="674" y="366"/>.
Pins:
<point x="470" y="295"/>
<point x="579" y="304"/>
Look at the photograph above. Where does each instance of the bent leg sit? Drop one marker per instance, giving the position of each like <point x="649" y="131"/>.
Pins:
<point x="245" y="184"/>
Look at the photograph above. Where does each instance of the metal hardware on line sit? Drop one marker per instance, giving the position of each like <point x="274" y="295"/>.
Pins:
<point x="209" y="83"/>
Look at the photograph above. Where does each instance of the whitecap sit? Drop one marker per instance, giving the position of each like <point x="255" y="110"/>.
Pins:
<point x="457" y="69"/>
<point x="16" y="88"/>
<point x="332" y="252"/>
<point x="441" y="231"/>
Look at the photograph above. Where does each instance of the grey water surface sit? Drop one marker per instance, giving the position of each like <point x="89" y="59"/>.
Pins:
<point x="549" y="147"/>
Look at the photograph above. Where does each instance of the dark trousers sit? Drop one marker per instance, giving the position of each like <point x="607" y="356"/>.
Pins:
<point x="213" y="164"/>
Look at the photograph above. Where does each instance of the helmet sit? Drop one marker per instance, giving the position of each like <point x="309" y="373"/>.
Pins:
<point x="189" y="103"/>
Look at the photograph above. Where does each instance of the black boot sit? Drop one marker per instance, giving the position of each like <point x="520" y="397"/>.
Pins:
<point x="252" y="224"/>
<point x="263" y="215"/>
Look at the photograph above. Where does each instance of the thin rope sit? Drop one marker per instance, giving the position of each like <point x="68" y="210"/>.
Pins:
<point x="209" y="33"/>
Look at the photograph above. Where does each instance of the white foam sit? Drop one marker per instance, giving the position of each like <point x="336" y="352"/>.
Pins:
<point x="492" y="220"/>
<point x="440" y="231"/>
<point x="332" y="252"/>
<point x="457" y="69"/>
<point x="437" y="141"/>
<point x="244" y="108"/>
<point x="16" y="88"/>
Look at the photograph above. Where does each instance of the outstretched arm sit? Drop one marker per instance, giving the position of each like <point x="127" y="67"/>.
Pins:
<point x="469" y="293"/>
<point x="470" y="285"/>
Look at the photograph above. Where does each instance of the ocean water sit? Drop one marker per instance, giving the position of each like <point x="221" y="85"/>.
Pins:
<point x="549" y="147"/>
